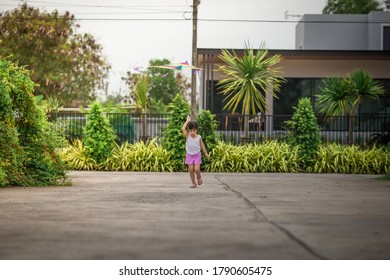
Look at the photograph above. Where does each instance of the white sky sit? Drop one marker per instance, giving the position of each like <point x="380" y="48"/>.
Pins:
<point x="128" y="42"/>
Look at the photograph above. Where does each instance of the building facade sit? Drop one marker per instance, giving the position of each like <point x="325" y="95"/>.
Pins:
<point x="326" y="45"/>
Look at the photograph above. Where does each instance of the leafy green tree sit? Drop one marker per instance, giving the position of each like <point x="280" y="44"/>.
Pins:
<point x="343" y="95"/>
<point x="303" y="131"/>
<point x="67" y="65"/>
<point x="99" y="136"/>
<point x="27" y="143"/>
<point x="246" y="80"/>
<point x="173" y="139"/>
<point x="164" y="84"/>
<point x="351" y="6"/>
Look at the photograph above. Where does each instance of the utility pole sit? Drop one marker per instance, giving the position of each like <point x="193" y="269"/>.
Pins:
<point x="194" y="56"/>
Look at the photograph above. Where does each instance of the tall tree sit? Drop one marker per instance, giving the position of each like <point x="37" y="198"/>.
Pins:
<point x="164" y="84"/>
<point x="246" y="80"/>
<point x="343" y="95"/>
<point x="351" y="6"/>
<point x="65" y="64"/>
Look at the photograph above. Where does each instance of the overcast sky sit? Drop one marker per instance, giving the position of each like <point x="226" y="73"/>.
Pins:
<point x="134" y="31"/>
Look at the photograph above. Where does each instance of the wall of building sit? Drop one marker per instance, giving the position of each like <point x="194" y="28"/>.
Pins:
<point x="341" y="32"/>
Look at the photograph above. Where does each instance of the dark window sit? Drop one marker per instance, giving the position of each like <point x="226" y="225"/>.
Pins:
<point x="386" y="38"/>
<point x="293" y="90"/>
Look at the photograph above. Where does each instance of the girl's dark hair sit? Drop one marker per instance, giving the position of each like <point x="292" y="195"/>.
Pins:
<point x="192" y="125"/>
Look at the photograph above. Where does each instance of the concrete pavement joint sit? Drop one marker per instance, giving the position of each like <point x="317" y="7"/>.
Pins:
<point x="279" y="227"/>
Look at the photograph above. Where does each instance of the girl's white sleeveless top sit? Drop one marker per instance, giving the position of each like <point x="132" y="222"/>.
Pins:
<point x="193" y="145"/>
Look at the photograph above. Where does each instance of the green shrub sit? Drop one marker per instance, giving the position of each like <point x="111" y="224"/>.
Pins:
<point x="272" y="156"/>
<point x="27" y="143"/>
<point x="141" y="156"/>
<point x="77" y="157"/>
<point x="173" y="139"/>
<point x="99" y="136"/>
<point x="337" y="158"/>
<point x="303" y="131"/>
<point x="208" y="130"/>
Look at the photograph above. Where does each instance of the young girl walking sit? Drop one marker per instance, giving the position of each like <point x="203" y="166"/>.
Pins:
<point x="193" y="155"/>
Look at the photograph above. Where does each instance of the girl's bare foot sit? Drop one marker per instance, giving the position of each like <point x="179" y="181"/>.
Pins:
<point x="193" y="186"/>
<point x="200" y="181"/>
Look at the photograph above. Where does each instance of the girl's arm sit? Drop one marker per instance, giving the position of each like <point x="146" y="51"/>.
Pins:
<point x="204" y="149"/>
<point x="184" y="127"/>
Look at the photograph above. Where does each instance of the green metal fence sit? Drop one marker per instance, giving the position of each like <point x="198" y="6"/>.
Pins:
<point x="132" y="127"/>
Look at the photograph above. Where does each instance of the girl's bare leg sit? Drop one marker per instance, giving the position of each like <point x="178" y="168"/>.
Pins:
<point x="191" y="170"/>
<point x="198" y="175"/>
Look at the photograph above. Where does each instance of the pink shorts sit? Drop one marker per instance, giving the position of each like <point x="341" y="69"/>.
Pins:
<point x="193" y="159"/>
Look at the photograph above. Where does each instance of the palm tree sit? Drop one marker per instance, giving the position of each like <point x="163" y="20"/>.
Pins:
<point x="247" y="79"/>
<point x="142" y="101"/>
<point x="341" y="96"/>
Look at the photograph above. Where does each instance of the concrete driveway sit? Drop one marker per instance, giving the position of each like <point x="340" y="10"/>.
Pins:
<point x="119" y="215"/>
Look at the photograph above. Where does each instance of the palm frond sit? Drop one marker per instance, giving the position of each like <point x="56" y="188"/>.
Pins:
<point x="247" y="78"/>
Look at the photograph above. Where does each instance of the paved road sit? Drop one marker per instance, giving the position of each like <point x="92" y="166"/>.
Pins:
<point x="114" y="215"/>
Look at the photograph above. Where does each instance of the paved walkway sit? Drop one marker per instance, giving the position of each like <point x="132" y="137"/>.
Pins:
<point x="114" y="215"/>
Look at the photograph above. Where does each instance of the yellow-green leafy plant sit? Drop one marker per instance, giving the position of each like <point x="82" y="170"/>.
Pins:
<point x="141" y="156"/>
<point x="272" y="156"/>
<point x="76" y="157"/>
<point x="337" y="158"/>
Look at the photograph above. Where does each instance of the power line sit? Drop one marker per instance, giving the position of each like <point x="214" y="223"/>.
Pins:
<point x="211" y="20"/>
<point x="143" y="7"/>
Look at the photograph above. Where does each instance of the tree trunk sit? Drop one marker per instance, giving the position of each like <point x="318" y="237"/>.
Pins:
<point x="246" y="139"/>
<point x="144" y="137"/>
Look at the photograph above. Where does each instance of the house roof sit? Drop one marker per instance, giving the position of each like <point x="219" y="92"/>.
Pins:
<point x="311" y="54"/>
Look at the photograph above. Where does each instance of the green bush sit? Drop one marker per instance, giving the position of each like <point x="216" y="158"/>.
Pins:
<point x="208" y="130"/>
<point x="27" y="143"/>
<point x="337" y="158"/>
<point x="272" y="156"/>
<point x="77" y="157"/>
<point x="173" y="139"/>
<point x="141" y="156"/>
<point x="99" y="136"/>
<point x="303" y="132"/>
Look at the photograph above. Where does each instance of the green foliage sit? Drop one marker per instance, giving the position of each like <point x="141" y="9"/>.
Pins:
<point x="343" y="95"/>
<point x="303" y="131"/>
<point x="141" y="156"/>
<point x="336" y="158"/>
<point x="351" y="6"/>
<point x="99" y="136"/>
<point x="208" y="130"/>
<point x="77" y="157"/>
<point x="173" y="139"/>
<point x="164" y="85"/>
<point x="27" y="143"/>
<point x="66" y="65"/>
<point x="272" y="156"/>
<point x="246" y="80"/>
